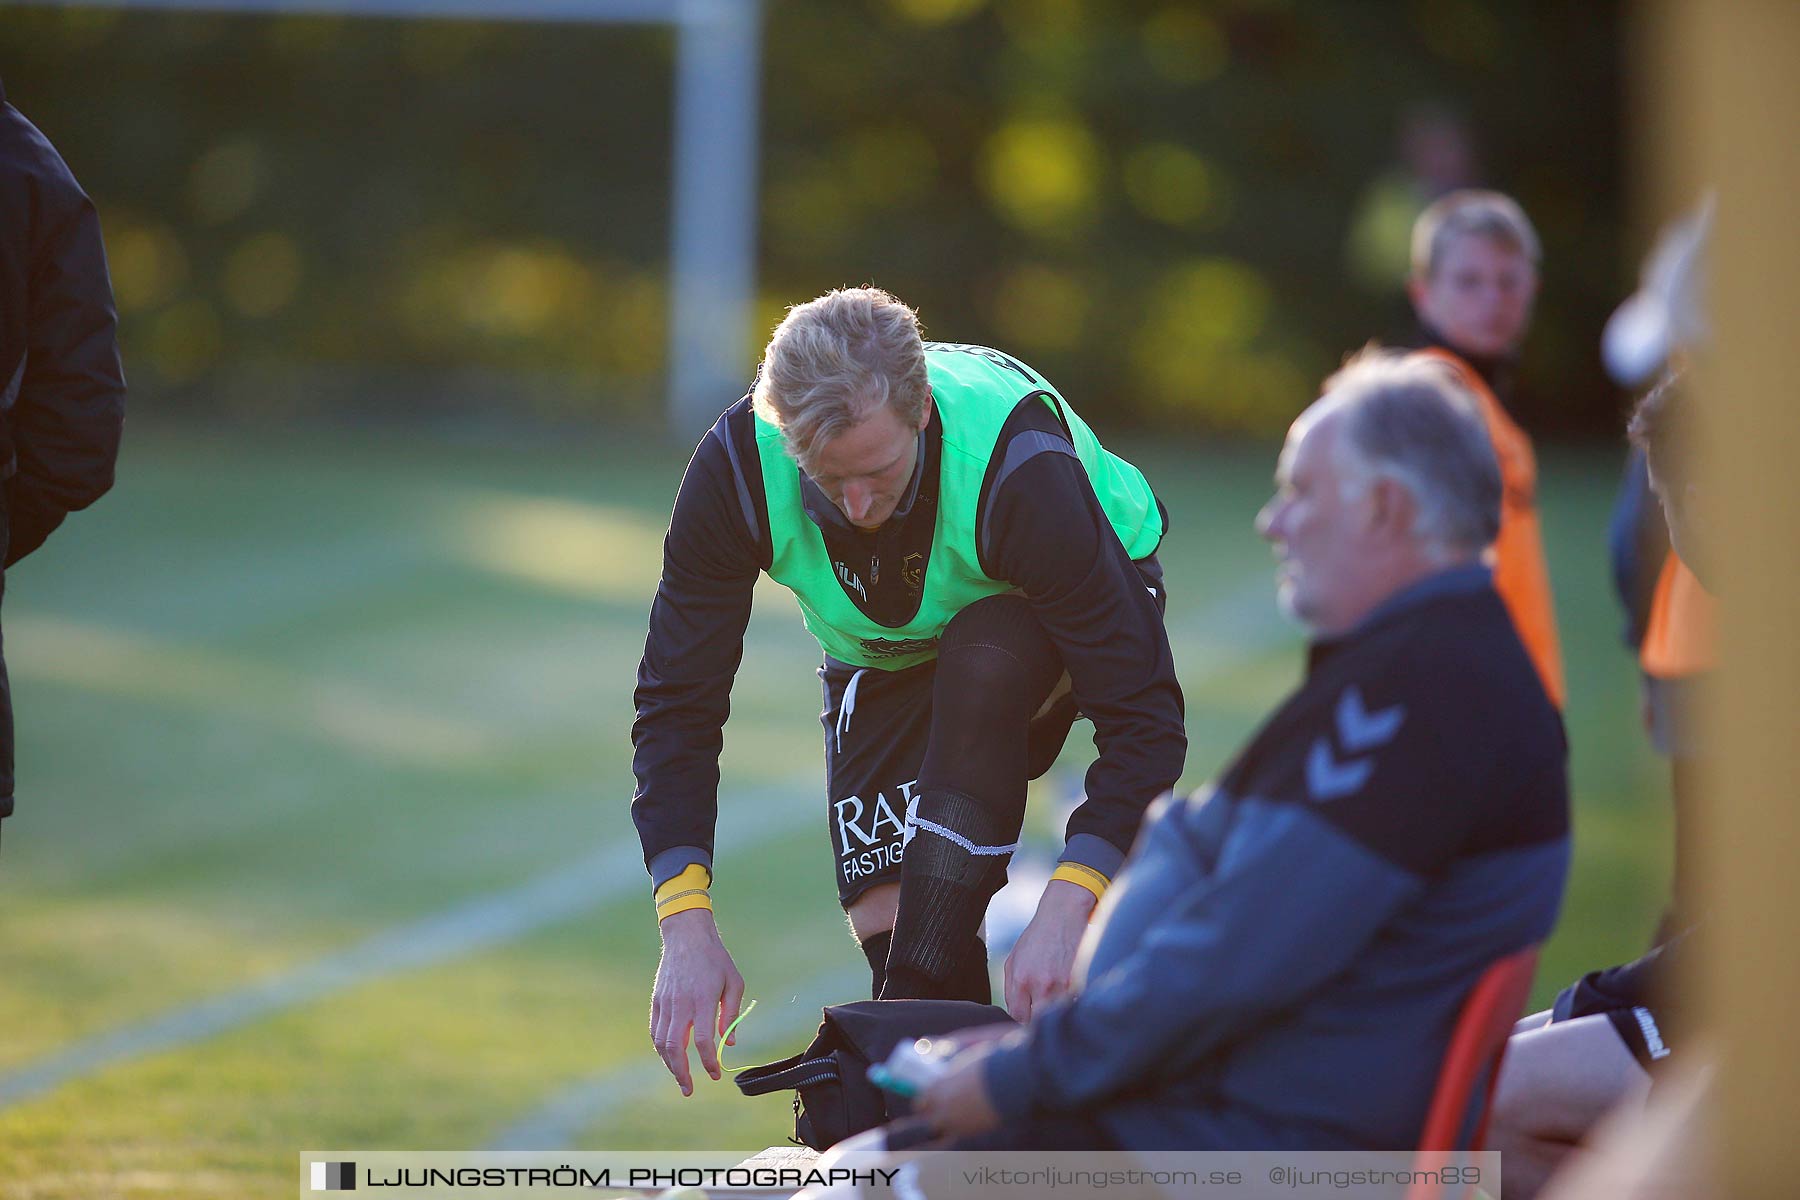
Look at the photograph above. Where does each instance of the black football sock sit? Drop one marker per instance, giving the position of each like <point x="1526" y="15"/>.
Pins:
<point x="968" y="979"/>
<point x="954" y="864"/>
<point x="875" y="949"/>
<point x="995" y="667"/>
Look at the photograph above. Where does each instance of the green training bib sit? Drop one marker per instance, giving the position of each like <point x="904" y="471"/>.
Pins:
<point x="975" y="389"/>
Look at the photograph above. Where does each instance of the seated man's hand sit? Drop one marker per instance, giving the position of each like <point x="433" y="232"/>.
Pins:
<point x="958" y="1104"/>
<point x="1037" y="970"/>
<point x="698" y="990"/>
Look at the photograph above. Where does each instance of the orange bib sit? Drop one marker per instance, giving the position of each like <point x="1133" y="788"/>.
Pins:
<point x="1521" y="575"/>
<point x="1679" y="636"/>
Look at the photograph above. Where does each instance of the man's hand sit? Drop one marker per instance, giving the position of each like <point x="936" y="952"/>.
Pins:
<point x="958" y="1104"/>
<point x="698" y="989"/>
<point x="1037" y="970"/>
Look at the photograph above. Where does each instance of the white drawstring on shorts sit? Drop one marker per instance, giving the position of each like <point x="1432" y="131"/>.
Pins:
<point x="848" y="706"/>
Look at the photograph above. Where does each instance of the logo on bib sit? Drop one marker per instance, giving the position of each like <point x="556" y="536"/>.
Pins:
<point x="896" y="647"/>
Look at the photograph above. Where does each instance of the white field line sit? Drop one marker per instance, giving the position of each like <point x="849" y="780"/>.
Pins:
<point x="607" y="875"/>
<point x="559" y="1121"/>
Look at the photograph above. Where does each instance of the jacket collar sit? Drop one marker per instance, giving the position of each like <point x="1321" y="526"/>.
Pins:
<point x="1451" y="581"/>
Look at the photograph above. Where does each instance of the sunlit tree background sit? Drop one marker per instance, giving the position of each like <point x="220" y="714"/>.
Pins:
<point x="1184" y="213"/>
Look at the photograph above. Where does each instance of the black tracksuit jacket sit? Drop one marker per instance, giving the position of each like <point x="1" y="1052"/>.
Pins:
<point x="62" y="392"/>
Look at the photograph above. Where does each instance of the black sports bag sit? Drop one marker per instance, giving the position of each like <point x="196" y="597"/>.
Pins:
<point x="833" y="1096"/>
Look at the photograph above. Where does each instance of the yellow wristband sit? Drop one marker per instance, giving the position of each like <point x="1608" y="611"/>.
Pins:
<point x="1080" y="876"/>
<point x="697" y="898"/>
<point x="688" y="890"/>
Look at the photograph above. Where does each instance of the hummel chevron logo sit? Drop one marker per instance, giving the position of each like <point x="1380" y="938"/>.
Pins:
<point x="1359" y="729"/>
<point x="1327" y="778"/>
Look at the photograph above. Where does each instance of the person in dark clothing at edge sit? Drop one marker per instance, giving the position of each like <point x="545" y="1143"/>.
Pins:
<point x="1612" y="1032"/>
<point x="1671" y="627"/>
<point x="62" y="391"/>
<point x="979" y="571"/>
<point x="1281" y="960"/>
<point x="1671" y="617"/>
<point x="1474" y="278"/>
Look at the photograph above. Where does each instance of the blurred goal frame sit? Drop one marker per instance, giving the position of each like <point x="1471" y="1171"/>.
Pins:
<point x="713" y="184"/>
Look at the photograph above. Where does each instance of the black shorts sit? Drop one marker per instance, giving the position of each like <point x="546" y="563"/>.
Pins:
<point x="1637" y="1027"/>
<point x="877" y="724"/>
<point x="1633" y="996"/>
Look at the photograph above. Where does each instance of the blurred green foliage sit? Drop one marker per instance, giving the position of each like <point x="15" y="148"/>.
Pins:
<point x="1171" y="208"/>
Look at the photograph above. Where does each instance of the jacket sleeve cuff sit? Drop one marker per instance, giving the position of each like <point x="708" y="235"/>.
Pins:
<point x="1011" y="1081"/>
<point x="675" y="860"/>
<point x="1095" y="853"/>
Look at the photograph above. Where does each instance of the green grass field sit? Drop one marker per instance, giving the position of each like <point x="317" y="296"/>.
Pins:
<point x="282" y="693"/>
